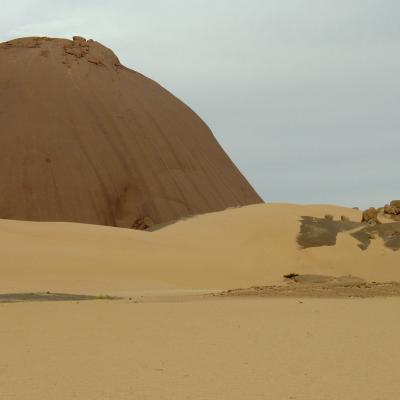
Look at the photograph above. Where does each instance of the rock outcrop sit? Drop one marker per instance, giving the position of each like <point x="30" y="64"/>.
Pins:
<point x="393" y="208"/>
<point x="85" y="139"/>
<point x="370" y="216"/>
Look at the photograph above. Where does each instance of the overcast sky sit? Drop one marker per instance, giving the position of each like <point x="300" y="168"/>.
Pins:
<point x="304" y="95"/>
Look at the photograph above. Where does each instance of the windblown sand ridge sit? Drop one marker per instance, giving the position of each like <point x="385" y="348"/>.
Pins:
<point x="85" y="139"/>
<point x="236" y="248"/>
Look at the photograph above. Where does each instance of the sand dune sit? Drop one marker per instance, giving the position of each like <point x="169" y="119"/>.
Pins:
<point x="198" y="347"/>
<point x="240" y="247"/>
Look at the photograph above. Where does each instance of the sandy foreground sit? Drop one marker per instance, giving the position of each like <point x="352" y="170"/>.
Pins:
<point x="166" y="339"/>
<point x="217" y="349"/>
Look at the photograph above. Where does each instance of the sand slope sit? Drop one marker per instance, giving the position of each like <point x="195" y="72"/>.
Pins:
<point x="241" y="247"/>
<point x="85" y="139"/>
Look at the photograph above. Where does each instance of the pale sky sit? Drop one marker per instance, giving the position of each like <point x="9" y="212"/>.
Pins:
<point x="303" y="95"/>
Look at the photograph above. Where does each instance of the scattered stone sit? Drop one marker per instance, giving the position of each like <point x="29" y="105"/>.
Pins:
<point x="322" y="286"/>
<point x="290" y="276"/>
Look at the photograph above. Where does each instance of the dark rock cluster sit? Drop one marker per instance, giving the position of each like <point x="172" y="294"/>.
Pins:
<point x="393" y="208"/>
<point x="370" y="216"/>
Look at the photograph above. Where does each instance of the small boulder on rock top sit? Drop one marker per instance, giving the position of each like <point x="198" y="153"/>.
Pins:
<point x="393" y="208"/>
<point x="78" y="39"/>
<point x="370" y="216"/>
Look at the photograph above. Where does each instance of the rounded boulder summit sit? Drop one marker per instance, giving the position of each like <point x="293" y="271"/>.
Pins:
<point x="85" y="139"/>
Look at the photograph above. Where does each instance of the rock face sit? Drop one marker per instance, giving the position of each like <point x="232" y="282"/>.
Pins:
<point x="370" y="216"/>
<point x="393" y="208"/>
<point x="85" y="139"/>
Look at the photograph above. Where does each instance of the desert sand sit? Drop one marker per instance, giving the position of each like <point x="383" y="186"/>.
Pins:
<point x="316" y="349"/>
<point x="235" y="248"/>
<point x="166" y="338"/>
<point x="85" y="139"/>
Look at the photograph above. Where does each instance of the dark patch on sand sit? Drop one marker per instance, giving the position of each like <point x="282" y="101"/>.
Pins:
<point x="29" y="297"/>
<point x="389" y="233"/>
<point x="317" y="232"/>
<point x="321" y="286"/>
